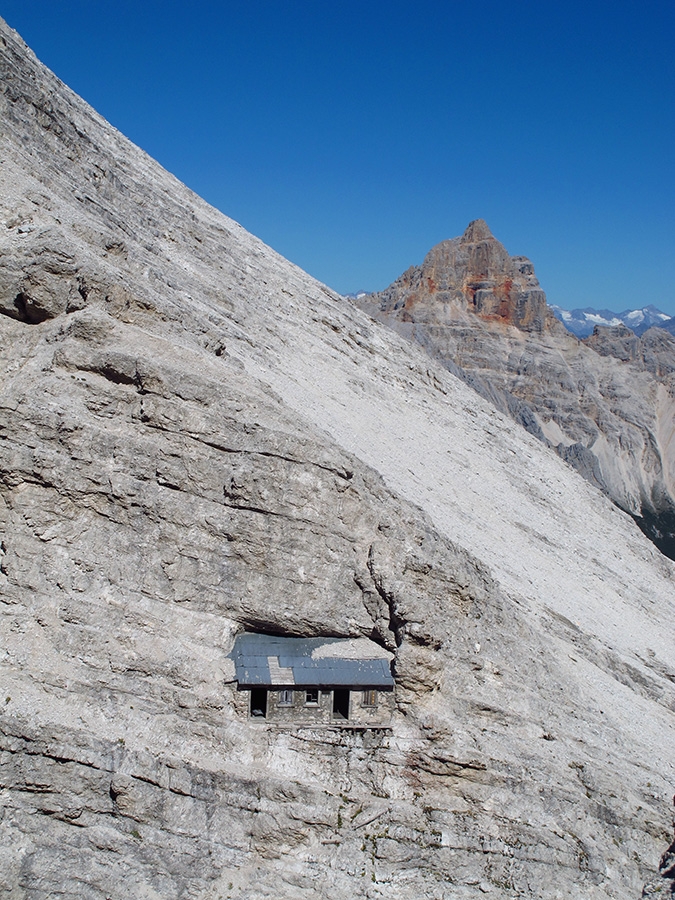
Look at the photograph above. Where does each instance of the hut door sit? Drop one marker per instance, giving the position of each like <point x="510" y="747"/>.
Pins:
<point x="259" y="703"/>
<point x="340" y="704"/>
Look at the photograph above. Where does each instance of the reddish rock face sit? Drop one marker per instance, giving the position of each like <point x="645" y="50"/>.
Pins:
<point x="473" y="272"/>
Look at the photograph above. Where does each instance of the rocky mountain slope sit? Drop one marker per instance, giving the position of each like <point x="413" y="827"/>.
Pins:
<point x="196" y="437"/>
<point x="606" y="406"/>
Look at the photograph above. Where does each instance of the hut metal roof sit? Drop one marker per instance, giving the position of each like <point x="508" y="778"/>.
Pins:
<point x="263" y="660"/>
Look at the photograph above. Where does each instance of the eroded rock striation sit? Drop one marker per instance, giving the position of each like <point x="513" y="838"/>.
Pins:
<point x="197" y="438"/>
<point x="664" y="885"/>
<point x="605" y="405"/>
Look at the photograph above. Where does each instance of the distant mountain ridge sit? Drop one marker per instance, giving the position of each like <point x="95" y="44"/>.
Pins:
<point x="581" y="322"/>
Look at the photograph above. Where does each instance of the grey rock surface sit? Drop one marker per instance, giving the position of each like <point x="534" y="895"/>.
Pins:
<point x="607" y="405"/>
<point x="664" y="885"/>
<point x="197" y="437"/>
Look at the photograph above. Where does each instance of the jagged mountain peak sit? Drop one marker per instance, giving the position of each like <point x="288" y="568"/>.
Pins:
<point x="456" y="305"/>
<point x="477" y="230"/>
<point x="473" y="274"/>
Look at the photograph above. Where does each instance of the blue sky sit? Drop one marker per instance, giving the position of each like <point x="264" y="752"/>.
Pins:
<point x="354" y="136"/>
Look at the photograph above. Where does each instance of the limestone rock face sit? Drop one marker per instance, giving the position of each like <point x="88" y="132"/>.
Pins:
<point x="196" y="438"/>
<point x="471" y="273"/>
<point x="664" y="885"/>
<point x="653" y="351"/>
<point x="606" y="406"/>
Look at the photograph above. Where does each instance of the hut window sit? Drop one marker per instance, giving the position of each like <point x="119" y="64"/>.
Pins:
<point x="312" y="697"/>
<point x="369" y="698"/>
<point x="285" y="698"/>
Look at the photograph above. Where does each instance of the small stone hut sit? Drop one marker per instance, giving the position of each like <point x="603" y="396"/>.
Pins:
<point x="287" y="680"/>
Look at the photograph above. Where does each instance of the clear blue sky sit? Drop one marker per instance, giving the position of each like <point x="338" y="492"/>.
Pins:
<point x="353" y="136"/>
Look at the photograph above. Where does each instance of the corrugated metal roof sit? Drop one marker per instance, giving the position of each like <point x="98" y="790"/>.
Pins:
<point x="269" y="661"/>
